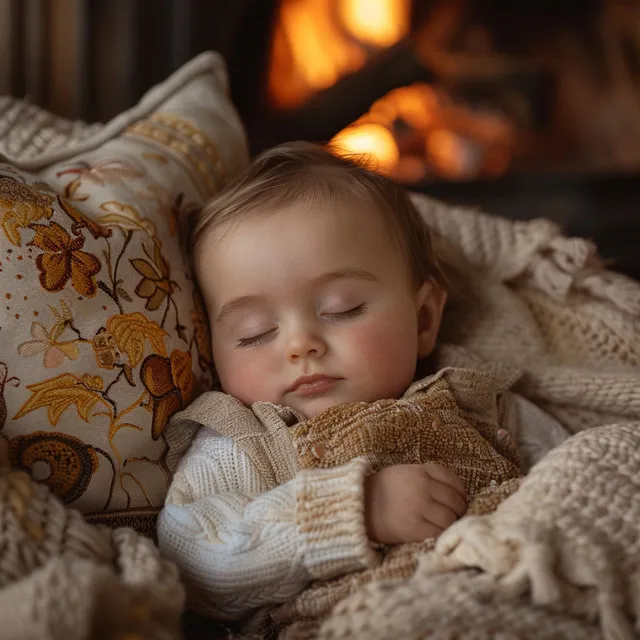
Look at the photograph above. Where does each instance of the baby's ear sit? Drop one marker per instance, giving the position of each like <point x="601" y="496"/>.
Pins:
<point x="430" y="299"/>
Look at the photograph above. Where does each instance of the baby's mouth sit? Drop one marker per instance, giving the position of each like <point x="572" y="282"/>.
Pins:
<point x="313" y="385"/>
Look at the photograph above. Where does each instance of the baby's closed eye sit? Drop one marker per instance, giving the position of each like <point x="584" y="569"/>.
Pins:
<point x="346" y="314"/>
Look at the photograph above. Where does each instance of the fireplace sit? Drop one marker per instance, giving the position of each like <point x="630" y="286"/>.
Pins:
<point x="525" y="109"/>
<point x="377" y="78"/>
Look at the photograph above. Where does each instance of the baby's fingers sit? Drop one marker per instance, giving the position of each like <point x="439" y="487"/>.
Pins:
<point x="439" y="515"/>
<point x="426" y="529"/>
<point x="446" y="496"/>
<point x="443" y="475"/>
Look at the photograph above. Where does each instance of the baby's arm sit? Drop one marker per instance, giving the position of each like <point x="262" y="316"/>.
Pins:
<point x="241" y="546"/>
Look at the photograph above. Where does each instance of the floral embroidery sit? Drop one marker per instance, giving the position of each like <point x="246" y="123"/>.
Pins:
<point x="80" y="221"/>
<point x="101" y="174"/>
<point x="178" y="210"/>
<point x="130" y="333"/>
<point x="156" y="283"/>
<point x="62" y="259"/>
<point x="101" y="371"/>
<point x="170" y="383"/>
<point x="62" y="462"/>
<point x="47" y="342"/>
<point x="24" y="205"/>
<point x="125" y="217"/>
<point x="105" y="349"/>
<point x="189" y="143"/>
<point x="59" y="393"/>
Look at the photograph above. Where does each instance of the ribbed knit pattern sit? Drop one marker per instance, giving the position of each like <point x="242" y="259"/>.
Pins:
<point x="64" y="579"/>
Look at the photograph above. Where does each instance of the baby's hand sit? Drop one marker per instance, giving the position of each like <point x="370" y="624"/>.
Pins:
<point x="412" y="502"/>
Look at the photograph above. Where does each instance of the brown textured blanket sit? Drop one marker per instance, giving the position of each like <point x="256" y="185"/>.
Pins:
<point x="426" y="425"/>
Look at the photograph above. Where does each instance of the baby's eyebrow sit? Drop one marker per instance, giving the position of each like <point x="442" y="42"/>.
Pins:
<point x="237" y="304"/>
<point x="341" y="274"/>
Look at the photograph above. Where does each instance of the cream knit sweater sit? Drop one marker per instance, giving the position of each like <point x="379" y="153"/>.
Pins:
<point x="235" y="537"/>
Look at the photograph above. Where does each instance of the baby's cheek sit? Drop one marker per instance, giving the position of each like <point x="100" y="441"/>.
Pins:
<point x="244" y="379"/>
<point x="386" y="353"/>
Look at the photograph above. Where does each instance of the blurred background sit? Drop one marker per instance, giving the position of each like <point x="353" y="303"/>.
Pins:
<point x="525" y="109"/>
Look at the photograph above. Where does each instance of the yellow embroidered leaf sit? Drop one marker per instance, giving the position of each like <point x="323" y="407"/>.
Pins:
<point x="11" y="226"/>
<point x="58" y="394"/>
<point x="93" y="382"/>
<point x="22" y="205"/>
<point x="131" y="331"/>
<point x="145" y="269"/>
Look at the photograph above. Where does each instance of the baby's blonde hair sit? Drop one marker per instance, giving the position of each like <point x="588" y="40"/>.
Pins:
<point x="301" y="171"/>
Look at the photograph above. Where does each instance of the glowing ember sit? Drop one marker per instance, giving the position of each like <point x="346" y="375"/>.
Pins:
<point x="455" y="157"/>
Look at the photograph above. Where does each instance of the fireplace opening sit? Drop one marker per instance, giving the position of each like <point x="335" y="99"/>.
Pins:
<point x="456" y="90"/>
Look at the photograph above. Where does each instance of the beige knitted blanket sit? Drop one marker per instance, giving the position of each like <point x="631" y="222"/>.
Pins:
<point x="560" y="558"/>
<point x="64" y="579"/>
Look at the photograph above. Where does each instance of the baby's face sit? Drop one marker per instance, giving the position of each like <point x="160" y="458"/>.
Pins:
<point x="310" y="309"/>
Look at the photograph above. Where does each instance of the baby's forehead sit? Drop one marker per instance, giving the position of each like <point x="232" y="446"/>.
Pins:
<point x="299" y="237"/>
<point x="335" y="213"/>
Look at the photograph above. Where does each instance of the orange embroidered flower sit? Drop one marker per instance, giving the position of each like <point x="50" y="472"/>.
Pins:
<point x="170" y="383"/>
<point x="156" y="283"/>
<point x="62" y="259"/>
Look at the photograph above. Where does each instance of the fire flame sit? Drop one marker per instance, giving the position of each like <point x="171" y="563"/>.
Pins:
<point x="380" y="23"/>
<point x="410" y="133"/>
<point x="416" y="131"/>
<point x="373" y="142"/>
<point x="316" y="42"/>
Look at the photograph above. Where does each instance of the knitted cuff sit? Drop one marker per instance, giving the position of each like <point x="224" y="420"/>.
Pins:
<point x="330" y="519"/>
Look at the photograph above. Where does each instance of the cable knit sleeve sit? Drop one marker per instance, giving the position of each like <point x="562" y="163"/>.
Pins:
<point x="241" y="546"/>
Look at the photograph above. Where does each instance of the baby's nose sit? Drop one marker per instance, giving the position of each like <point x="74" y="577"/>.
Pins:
<point x="304" y="345"/>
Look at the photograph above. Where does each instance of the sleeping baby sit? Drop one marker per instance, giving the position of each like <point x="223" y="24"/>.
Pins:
<point x="339" y="431"/>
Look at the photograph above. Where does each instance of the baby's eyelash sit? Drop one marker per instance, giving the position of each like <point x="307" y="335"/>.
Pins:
<point x="347" y="315"/>
<point x="255" y="341"/>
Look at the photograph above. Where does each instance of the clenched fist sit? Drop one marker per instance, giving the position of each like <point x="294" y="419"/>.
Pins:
<point x="412" y="502"/>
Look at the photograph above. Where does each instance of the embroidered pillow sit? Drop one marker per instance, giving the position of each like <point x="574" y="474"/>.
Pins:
<point x="103" y="335"/>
